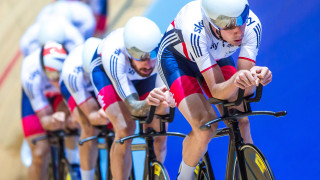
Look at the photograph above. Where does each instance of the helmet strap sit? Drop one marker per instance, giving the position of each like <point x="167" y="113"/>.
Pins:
<point x="219" y="34"/>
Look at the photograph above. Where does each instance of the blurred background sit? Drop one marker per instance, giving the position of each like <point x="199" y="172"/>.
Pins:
<point x="289" y="47"/>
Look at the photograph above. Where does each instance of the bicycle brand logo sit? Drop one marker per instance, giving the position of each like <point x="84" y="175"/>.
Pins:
<point x="198" y="27"/>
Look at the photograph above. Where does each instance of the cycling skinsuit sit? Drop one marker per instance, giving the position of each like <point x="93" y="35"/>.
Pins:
<point x="37" y="94"/>
<point x="112" y="75"/>
<point x="75" y="83"/>
<point x="190" y="47"/>
<point x="77" y="12"/>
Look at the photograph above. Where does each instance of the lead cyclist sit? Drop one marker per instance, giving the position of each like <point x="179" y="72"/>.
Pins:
<point x="195" y="56"/>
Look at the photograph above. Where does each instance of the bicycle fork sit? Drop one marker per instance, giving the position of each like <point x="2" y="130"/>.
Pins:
<point x="150" y="157"/>
<point x="238" y="143"/>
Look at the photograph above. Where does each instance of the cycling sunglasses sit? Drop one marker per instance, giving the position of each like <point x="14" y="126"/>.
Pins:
<point x="138" y="55"/>
<point x="225" y="22"/>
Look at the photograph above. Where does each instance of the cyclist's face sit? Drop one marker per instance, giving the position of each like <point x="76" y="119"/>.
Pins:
<point x="234" y="36"/>
<point x="144" y="68"/>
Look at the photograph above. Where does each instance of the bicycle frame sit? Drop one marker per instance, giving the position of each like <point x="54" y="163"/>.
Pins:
<point x="58" y="171"/>
<point x="235" y="139"/>
<point x="148" y="135"/>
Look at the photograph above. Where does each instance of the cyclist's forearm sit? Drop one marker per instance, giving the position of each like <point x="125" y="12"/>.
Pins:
<point x="224" y="90"/>
<point x="137" y="107"/>
<point x="46" y="122"/>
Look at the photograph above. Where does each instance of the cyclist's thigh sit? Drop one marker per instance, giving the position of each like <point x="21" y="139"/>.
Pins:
<point x="227" y="67"/>
<point x="111" y="103"/>
<point x="41" y="148"/>
<point x="181" y="79"/>
<point x="30" y="121"/>
<point x="72" y="105"/>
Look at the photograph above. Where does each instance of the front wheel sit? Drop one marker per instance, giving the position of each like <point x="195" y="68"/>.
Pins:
<point x="256" y="165"/>
<point x="203" y="170"/>
<point x="159" y="171"/>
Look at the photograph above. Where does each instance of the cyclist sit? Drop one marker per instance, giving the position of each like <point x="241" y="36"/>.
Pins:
<point x="126" y="82"/>
<point x="100" y="11"/>
<point x="78" y="92"/>
<point x="55" y="28"/>
<point x="78" y="13"/>
<point x="196" y="52"/>
<point x="42" y="106"/>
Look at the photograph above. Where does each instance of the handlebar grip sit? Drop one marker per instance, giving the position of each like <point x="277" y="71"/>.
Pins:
<point x="240" y="97"/>
<point x="280" y="113"/>
<point x="238" y="101"/>
<point x="171" y="115"/>
<point x="151" y="114"/>
<point x="35" y="140"/>
<point x="258" y="94"/>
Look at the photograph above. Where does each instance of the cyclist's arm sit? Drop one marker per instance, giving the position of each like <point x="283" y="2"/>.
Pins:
<point x="135" y="106"/>
<point x="244" y="64"/>
<point x="45" y="117"/>
<point x="219" y="88"/>
<point x="93" y="112"/>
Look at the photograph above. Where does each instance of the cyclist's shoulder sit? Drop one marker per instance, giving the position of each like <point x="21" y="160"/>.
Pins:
<point x="112" y="45"/>
<point x="73" y="61"/>
<point x="32" y="60"/>
<point x="252" y="21"/>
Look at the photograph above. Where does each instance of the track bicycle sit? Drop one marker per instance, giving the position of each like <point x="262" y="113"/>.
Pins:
<point x="244" y="161"/>
<point x="153" y="169"/>
<point x="108" y="136"/>
<point x="59" y="167"/>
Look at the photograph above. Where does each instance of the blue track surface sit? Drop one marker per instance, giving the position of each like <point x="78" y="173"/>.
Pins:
<point x="290" y="48"/>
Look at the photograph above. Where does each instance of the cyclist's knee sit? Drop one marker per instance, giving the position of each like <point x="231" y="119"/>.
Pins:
<point x="125" y="131"/>
<point x="244" y="122"/>
<point x="161" y="142"/>
<point x="40" y="153"/>
<point x="202" y="118"/>
<point x="88" y="131"/>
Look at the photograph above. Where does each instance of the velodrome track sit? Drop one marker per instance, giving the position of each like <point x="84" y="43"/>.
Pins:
<point x="290" y="45"/>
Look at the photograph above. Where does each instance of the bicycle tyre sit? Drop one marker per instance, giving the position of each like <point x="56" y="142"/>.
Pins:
<point x="203" y="170"/>
<point x="257" y="166"/>
<point x="159" y="171"/>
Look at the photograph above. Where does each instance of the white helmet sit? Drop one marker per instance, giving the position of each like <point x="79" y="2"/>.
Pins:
<point x="223" y="14"/>
<point x="141" y="37"/>
<point x="90" y="47"/>
<point x="62" y="8"/>
<point x="51" y="29"/>
<point x="52" y="58"/>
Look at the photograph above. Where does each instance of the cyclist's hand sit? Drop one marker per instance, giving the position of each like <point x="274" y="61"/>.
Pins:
<point x="244" y="78"/>
<point x="157" y="96"/>
<point x="57" y="121"/>
<point x="263" y="74"/>
<point x="71" y="123"/>
<point x="170" y="100"/>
